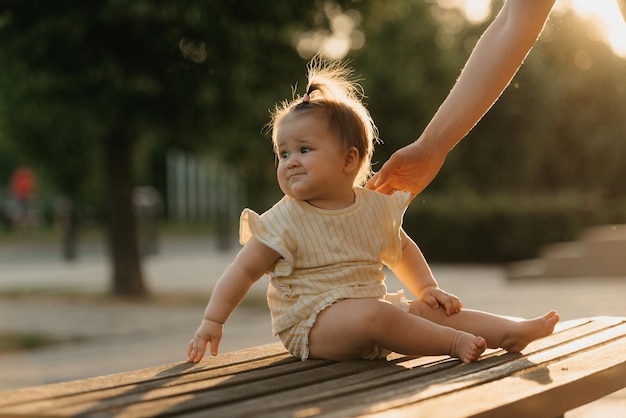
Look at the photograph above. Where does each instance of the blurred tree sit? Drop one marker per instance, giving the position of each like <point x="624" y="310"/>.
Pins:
<point x="408" y="64"/>
<point x="561" y="113"/>
<point x="83" y="83"/>
<point x="557" y="128"/>
<point x="89" y="88"/>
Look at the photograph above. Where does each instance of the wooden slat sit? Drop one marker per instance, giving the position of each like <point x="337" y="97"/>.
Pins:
<point x="543" y="390"/>
<point x="119" y="395"/>
<point x="253" y="399"/>
<point x="343" y="393"/>
<point x="267" y="381"/>
<point x="483" y="391"/>
<point x="59" y="390"/>
<point x="343" y="385"/>
<point x="287" y="402"/>
<point x="209" y="393"/>
<point x="223" y="374"/>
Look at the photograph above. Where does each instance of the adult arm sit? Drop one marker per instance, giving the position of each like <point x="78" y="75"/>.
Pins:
<point x="489" y="69"/>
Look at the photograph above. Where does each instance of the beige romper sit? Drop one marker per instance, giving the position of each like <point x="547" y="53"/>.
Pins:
<point x="327" y="256"/>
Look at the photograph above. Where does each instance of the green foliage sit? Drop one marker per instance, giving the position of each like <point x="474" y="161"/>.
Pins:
<point x="84" y="86"/>
<point x="559" y="126"/>
<point x="406" y="72"/>
<point x="501" y="228"/>
<point x="194" y="74"/>
<point x="201" y="76"/>
<point x="548" y="158"/>
<point x="17" y="342"/>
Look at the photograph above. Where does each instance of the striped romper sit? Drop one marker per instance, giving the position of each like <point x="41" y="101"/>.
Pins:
<point x="326" y="256"/>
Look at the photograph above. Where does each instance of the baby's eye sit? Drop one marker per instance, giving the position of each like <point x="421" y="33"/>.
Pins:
<point x="283" y="154"/>
<point x="304" y="150"/>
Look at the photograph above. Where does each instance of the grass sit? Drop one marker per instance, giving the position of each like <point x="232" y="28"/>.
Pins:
<point x="11" y="342"/>
<point x="48" y="234"/>
<point x="77" y="296"/>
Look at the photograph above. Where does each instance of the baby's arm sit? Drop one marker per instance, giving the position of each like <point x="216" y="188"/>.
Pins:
<point x="254" y="260"/>
<point x="414" y="272"/>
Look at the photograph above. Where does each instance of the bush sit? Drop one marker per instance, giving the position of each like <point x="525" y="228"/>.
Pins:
<point x="502" y="228"/>
<point x="17" y="342"/>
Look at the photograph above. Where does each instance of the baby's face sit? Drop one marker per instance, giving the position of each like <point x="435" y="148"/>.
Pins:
<point x="310" y="160"/>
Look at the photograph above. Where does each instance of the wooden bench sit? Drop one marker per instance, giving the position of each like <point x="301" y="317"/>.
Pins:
<point x="581" y="362"/>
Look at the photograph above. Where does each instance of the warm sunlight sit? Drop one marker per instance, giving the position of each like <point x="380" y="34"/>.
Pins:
<point x="607" y="17"/>
<point x="475" y="11"/>
<point x="605" y="14"/>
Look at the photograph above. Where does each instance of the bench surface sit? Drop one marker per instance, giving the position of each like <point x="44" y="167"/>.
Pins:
<point x="581" y="362"/>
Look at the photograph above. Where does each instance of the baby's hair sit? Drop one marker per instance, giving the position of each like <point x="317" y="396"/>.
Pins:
<point x="331" y="88"/>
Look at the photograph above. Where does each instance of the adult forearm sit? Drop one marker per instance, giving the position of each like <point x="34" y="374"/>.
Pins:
<point x="490" y="68"/>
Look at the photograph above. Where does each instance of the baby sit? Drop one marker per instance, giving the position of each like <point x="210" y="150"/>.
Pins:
<point x="325" y="242"/>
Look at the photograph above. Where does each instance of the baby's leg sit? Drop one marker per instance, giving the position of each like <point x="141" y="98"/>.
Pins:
<point x="498" y="331"/>
<point x="350" y="328"/>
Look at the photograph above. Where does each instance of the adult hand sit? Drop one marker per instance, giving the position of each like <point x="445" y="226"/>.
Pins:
<point x="410" y="169"/>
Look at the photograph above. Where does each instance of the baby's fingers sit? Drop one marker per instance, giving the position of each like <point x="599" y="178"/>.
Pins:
<point x="431" y="301"/>
<point x="215" y="345"/>
<point x="453" y="304"/>
<point x="195" y="351"/>
<point x="445" y="301"/>
<point x="457" y="305"/>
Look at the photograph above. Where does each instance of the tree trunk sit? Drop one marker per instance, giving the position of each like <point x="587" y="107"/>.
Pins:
<point x="127" y="277"/>
<point x="70" y="224"/>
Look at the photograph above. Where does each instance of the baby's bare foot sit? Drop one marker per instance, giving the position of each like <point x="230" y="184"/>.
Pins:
<point x="525" y="332"/>
<point x="468" y="347"/>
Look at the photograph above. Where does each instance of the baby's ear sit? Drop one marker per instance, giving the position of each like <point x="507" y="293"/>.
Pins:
<point x="352" y="159"/>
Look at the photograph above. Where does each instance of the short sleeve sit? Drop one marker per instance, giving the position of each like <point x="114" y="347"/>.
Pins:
<point x="269" y="233"/>
<point x="400" y="201"/>
<point x="245" y="232"/>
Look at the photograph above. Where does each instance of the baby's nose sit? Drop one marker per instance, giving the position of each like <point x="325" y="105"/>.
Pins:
<point x="293" y="161"/>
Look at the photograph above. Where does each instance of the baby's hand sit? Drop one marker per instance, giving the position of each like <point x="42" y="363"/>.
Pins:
<point x="435" y="297"/>
<point x="208" y="332"/>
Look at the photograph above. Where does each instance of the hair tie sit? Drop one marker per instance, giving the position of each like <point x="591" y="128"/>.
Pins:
<point x="306" y="98"/>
